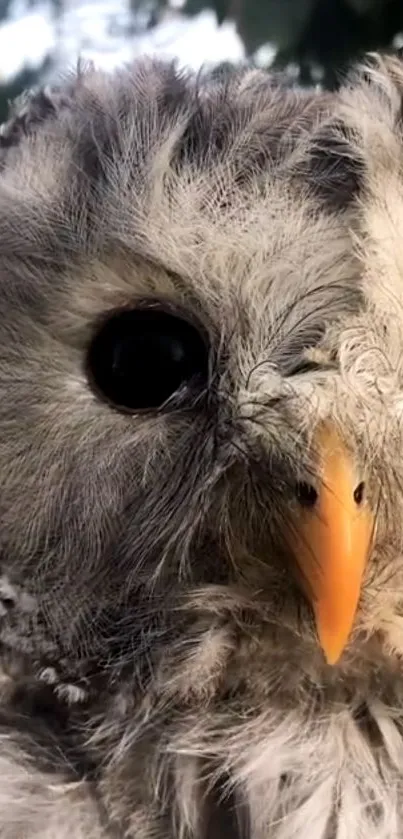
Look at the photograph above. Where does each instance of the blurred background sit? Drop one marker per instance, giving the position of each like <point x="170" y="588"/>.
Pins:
<point x="315" y="40"/>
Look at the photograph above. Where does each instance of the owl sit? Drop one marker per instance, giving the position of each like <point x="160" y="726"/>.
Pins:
<point x="201" y="504"/>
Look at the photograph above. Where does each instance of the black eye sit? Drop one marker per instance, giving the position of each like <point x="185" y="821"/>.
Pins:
<point x="140" y="358"/>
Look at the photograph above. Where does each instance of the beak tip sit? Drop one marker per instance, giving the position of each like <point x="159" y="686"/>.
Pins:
<point x="332" y="657"/>
<point x="332" y="647"/>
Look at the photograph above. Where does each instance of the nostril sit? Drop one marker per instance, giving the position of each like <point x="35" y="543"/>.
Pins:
<point x="359" y="493"/>
<point x="306" y="494"/>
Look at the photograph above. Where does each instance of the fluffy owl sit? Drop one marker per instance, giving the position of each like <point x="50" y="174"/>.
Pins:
<point x="201" y="504"/>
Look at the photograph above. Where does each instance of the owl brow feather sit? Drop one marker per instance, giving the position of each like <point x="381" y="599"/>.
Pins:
<point x="287" y="312"/>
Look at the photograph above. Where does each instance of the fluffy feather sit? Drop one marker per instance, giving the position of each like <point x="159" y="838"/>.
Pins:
<point x="161" y="672"/>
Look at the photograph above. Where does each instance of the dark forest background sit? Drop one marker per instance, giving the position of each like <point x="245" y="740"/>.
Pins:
<point x="315" y="39"/>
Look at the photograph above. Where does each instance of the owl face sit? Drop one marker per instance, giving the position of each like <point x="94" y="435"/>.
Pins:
<point x="200" y="378"/>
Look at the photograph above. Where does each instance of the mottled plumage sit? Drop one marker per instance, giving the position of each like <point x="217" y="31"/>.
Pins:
<point x="161" y="672"/>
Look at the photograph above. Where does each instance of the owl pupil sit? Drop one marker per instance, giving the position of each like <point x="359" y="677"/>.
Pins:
<point x="138" y="359"/>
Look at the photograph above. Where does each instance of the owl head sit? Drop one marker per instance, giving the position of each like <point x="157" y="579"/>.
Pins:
<point x="200" y="376"/>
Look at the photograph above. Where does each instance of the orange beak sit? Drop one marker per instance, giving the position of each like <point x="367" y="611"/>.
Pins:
<point x="333" y="539"/>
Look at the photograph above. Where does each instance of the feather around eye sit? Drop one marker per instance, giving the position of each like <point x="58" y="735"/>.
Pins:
<point x="314" y="362"/>
<point x="303" y="365"/>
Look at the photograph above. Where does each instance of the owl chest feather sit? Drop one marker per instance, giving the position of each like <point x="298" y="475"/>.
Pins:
<point x="283" y="773"/>
<point x="327" y="778"/>
<point x="335" y="775"/>
<point x="279" y="775"/>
